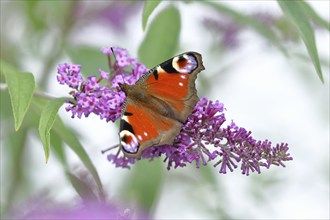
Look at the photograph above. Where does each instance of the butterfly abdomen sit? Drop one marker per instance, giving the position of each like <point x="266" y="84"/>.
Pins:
<point x="135" y="92"/>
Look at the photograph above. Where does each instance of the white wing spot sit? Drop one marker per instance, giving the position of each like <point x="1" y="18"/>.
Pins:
<point x="145" y="134"/>
<point x="125" y="118"/>
<point x="180" y="84"/>
<point x="159" y="69"/>
<point x="189" y="67"/>
<point x="132" y="146"/>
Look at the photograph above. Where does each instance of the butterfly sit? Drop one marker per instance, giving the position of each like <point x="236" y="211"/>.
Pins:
<point x="158" y="104"/>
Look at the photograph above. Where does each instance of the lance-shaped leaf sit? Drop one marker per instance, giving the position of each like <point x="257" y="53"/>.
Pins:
<point x="47" y="118"/>
<point x="315" y="16"/>
<point x="91" y="57"/>
<point x="69" y="137"/>
<point x="149" y="7"/>
<point x="296" y="12"/>
<point x="162" y="37"/>
<point x="82" y="188"/>
<point x="72" y="141"/>
<point x="21" y="87"/>
<point x="144" y="184"/>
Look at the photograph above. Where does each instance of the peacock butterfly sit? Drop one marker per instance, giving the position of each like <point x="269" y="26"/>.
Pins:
<point x="159" y="103"/>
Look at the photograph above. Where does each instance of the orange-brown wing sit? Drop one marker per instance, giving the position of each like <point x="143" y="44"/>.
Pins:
<point x="159" y="103"/>
<point x="141" y="127"/>
<point x="174" y="82"/>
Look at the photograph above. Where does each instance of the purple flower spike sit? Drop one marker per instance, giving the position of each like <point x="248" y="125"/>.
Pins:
<point x="204" y="137"/>
<point x="89" y="96"/>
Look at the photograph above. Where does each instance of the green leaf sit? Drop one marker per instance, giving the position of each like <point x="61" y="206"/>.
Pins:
<point x="248" y="21"/>
<point x="66" y="135"/>
<point x="21" y="87"/>
<point x="59" y="12"/>
<point x="162" y="37"/>
<point x="144" y="183"/>
<point x="149" y="7"/>
<point x="13" y="147"/>
<point x="91" y="59"/>
<point x="82" y="188"/>
<point x="47" y="118"/>
<point x="5" y="108"/>
<point x="316" y="17"/>
<point x="296" y="13"/>
<point x="72" y="141"/>
<point x="57" y="144"/>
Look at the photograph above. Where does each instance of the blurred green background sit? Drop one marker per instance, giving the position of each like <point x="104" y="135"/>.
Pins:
<point x="257" y="64"/>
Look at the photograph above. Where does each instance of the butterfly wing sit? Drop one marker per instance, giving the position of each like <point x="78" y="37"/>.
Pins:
<point x="159" y="103"/>
<point x="141" y="127"/>
<point x="174" y="82"/>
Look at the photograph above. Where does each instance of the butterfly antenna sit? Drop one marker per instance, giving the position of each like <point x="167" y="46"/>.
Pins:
<point x="118" y="152"/>
<point x="113" y="52"/>
<point x="109" y="60"/>
<point x="112" y="70"/>
<point x="110" y="148"/>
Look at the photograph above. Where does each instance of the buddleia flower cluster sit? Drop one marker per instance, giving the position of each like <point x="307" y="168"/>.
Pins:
<point x="206" y="135"/>
<point x="90" y="96"/>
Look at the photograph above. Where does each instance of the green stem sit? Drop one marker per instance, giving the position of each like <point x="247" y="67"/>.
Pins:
<point x="4" y="86"/>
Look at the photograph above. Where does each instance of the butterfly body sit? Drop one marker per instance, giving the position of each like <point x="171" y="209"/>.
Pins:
<point x="159" y="103"/>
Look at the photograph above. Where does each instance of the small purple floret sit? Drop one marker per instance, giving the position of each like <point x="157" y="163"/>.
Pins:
<point x="89" y="96"/>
